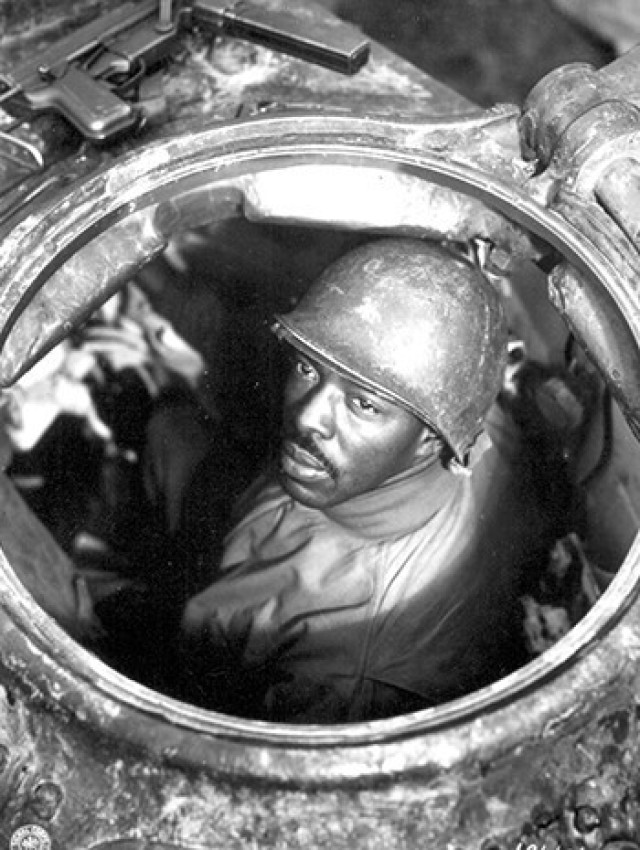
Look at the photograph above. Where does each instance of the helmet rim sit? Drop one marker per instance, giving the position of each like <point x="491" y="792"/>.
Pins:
<point x="415" y="322"/>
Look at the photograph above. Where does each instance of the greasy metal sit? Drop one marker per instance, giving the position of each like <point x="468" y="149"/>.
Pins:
<point x="584" y="126"/>
<point x="572" y="91"/>
<point x="22" y="154"/>
<point x="548" y="757"/>
<point x="618" y="193"/>
<point x="414" y="323"/>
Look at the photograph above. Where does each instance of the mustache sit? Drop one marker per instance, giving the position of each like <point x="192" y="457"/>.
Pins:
<point x="305" y="441"/>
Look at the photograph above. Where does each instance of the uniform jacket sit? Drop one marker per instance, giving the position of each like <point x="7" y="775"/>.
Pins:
<point x="397" y="599"/>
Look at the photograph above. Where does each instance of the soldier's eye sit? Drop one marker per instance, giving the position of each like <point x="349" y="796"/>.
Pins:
<point x="364" y="405"/>
<point x="305" y="369"/>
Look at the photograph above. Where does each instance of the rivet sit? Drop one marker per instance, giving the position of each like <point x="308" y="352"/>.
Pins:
<point x="587" y="819"/>
<point x="45" y="799"/>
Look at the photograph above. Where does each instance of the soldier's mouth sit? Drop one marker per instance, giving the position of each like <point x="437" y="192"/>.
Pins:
<point x="298" y="463"/>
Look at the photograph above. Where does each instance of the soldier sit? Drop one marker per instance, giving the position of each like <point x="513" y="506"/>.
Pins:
<point x="374" y="568"/>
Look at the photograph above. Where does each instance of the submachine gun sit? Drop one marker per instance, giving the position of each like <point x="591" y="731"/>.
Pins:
<point x="93" y="77"/>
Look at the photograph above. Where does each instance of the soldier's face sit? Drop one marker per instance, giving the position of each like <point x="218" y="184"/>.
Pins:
<point x="341" y="440"/>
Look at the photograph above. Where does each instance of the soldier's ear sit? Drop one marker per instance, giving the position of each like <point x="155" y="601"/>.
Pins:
<point x="429" y="444"/>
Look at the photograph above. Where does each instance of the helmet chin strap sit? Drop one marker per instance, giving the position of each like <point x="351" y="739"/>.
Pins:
<point x="472" y="457"/>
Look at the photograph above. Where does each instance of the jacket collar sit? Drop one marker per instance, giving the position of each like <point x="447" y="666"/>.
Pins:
<point x="401" y="505"/>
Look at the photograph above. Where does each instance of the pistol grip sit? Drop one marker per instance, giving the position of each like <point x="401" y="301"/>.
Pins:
<point x="88" y="104"/>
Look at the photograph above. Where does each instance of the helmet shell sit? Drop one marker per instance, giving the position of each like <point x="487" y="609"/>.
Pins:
<point x="414" y="322"/>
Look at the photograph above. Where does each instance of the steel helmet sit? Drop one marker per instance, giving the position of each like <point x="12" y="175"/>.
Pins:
<point x="414" y="322"/>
